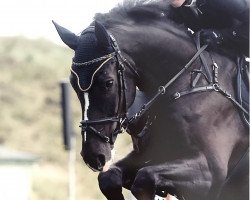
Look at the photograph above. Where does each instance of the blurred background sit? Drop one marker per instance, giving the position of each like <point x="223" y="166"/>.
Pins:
<point x="33" y="60"/>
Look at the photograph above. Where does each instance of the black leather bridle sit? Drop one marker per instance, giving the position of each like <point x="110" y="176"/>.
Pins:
<point x="121" y="116"/>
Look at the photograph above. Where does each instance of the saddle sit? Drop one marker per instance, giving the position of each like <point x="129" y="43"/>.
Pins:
<point x="242" y="86"/>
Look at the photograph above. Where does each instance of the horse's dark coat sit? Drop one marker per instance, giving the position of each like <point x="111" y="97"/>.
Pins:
<point x="194" y="143"/>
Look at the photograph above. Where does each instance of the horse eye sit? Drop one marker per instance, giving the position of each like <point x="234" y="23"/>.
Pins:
<point x="109" y="83"/>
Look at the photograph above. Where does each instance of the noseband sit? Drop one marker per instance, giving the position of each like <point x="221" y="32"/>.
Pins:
<point x="121" y="115"/>
<point x="87" y="125"/>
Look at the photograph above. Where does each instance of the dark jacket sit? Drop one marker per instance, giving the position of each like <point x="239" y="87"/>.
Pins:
<point x="230" y="17"/>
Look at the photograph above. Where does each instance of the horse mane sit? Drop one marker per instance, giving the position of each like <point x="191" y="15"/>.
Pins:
<point x="150" y="12"/>
<point x="142" y="11"/>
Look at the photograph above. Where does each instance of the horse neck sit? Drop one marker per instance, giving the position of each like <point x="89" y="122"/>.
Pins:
<point x="158" y="53"/>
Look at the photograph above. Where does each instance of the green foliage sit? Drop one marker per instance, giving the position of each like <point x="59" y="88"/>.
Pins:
<point x="31" y="117"/>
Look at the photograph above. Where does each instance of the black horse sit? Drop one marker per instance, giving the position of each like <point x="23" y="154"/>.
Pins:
<point x="188" y="139"/>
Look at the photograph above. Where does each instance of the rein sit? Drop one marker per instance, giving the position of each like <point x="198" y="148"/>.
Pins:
<point x="162" y="89"/>
<point x="213" y="86"/>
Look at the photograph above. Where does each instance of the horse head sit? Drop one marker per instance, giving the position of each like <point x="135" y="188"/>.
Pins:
<point x="101" y="80"/>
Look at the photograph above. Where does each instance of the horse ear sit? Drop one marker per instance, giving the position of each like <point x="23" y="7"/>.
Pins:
<point x="67" y="36"/>
<point x="102" y="35"/>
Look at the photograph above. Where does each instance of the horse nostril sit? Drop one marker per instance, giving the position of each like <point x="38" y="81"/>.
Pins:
<point x="101" y="161"/>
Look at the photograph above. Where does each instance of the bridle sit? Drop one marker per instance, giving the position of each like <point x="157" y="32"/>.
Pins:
<point x="121" y="115"/>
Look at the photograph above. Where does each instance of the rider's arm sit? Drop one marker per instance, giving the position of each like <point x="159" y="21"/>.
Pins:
<point x="238" y="33"/>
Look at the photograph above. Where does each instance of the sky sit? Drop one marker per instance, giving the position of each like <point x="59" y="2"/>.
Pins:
<point x="32" y="18"/>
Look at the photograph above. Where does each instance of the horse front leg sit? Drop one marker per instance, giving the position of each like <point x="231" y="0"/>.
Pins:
<point x="121" y="174"/>
<point x="110" y="183"/>
<point x="188" y="179"/>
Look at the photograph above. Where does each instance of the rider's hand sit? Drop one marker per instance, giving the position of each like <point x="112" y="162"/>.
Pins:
<point x="211" y="37"/>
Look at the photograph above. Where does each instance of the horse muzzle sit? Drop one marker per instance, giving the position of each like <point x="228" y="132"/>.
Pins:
<point x="98" y="161"/>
